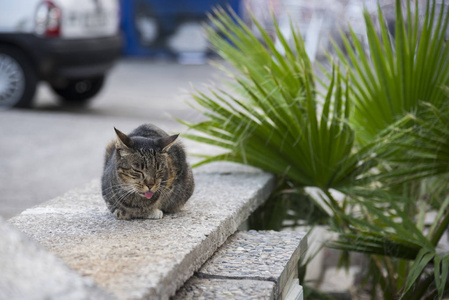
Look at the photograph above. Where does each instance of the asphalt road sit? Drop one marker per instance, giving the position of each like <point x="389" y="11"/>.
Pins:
<point x="48" y="150"/>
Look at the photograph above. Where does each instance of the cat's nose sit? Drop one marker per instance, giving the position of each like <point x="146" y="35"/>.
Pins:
<point x="150" y="183"/>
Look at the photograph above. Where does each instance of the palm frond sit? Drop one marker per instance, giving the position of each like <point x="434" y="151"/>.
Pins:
<point x="391" y="77"/>
<point x="424" y="146"/>
<point x="275" y="124"/>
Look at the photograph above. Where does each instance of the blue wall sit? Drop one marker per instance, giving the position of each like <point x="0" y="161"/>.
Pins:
<point x="161" y="18"/>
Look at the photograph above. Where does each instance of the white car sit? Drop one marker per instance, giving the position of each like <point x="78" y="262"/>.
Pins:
<point x="71" y="44"/>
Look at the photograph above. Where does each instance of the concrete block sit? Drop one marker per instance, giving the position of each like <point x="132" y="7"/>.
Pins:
<point x="205" y="289"/>
<point x="258" y="257"/>
<point x="30" y="272"/>
<point x="295" y="292"/>
<point x="144" y="258"/>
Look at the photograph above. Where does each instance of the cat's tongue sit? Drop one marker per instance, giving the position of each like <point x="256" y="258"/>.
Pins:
<point x="149" y="194"/>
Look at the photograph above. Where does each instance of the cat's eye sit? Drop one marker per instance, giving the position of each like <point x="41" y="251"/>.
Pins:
<point x="137" y="166"/>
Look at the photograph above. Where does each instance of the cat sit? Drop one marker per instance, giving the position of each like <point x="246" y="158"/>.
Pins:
<point x="146" y="174"/>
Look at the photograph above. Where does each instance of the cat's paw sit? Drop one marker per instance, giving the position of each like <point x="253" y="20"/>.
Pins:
<point x="120" y="215"/>
<point x="156" y="214"/>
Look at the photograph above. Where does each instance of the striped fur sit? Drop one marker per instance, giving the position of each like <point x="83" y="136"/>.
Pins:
<point x="146" y="174"/>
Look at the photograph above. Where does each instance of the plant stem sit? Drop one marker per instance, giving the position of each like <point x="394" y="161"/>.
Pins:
<point x="421" y="288"/>
<point x="336" y="209"/>
<point x="383" y="280"/>
<point x="439" y="231"/>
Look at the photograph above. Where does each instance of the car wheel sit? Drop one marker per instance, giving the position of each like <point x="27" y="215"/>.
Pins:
<point x="79" y="91"/>
<point x="18" y="78"/>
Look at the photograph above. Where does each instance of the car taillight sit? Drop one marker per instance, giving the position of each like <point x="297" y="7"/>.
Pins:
<point x="48" y="19"/>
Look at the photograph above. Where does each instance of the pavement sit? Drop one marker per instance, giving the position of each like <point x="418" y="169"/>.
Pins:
<point x="50" y="149"/>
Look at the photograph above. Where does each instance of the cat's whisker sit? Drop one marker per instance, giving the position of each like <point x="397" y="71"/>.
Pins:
<point x="114" y="190"/>
<point x="121" y="198"/>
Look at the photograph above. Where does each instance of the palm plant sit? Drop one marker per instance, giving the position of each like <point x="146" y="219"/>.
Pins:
<point x="404" y="260"/>
<point x="402" y="78"/>
<point x="276" y="126"/>
<point x="352" y="138"/>
<point x="396" y="72"/>
<point x="392" y="229"/>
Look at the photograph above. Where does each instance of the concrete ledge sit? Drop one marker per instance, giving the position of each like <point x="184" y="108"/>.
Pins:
<point x="217" y="289"/>
<point x="30" y="272"/>
<point x="145" y="258"/>
<point x="250" y="265"/>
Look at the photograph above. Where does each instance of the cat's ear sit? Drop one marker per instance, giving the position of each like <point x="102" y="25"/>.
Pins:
<point x="124" y="142"/>
<point x="165" y="143"/>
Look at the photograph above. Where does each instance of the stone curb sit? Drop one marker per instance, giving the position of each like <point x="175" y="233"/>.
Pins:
<point x="30" y="272"/>
<point x="250" y="265"/>
<point x="145" y="258"/>
<point x="221" y="289"/>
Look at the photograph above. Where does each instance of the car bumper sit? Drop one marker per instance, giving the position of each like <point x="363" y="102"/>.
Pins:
<point x="79" y="58"/>
<point x="57" y="58"/>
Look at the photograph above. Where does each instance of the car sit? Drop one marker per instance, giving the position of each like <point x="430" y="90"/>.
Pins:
<point x="69" y="44"/>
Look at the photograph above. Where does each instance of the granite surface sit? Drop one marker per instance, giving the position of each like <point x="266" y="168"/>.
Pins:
<point x="256" y="257"/>
<point x="29" y="272"/>
<point x="206" y="289"/>
<point x="145" y="258"/>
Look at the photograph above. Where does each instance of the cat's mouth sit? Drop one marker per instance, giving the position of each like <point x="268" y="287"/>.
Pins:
<point x="148" y="194"/>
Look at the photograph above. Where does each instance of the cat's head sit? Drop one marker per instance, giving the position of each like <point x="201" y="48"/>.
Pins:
<point x="142" y="162"/>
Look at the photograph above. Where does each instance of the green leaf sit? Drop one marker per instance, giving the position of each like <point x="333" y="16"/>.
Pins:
<point x="423" y="258"/>
<point x="441" y="271"/>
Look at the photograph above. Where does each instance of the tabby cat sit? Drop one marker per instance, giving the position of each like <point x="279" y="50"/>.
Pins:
<point x="146" y="174"/>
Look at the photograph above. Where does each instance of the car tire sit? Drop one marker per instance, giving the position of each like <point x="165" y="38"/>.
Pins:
<point x="18" y="79"/>
<point x="78" y="92"/>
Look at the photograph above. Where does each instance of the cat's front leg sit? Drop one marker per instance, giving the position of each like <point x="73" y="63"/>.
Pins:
<point x="121" y="215"/>
<point x="155" y="214"/>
